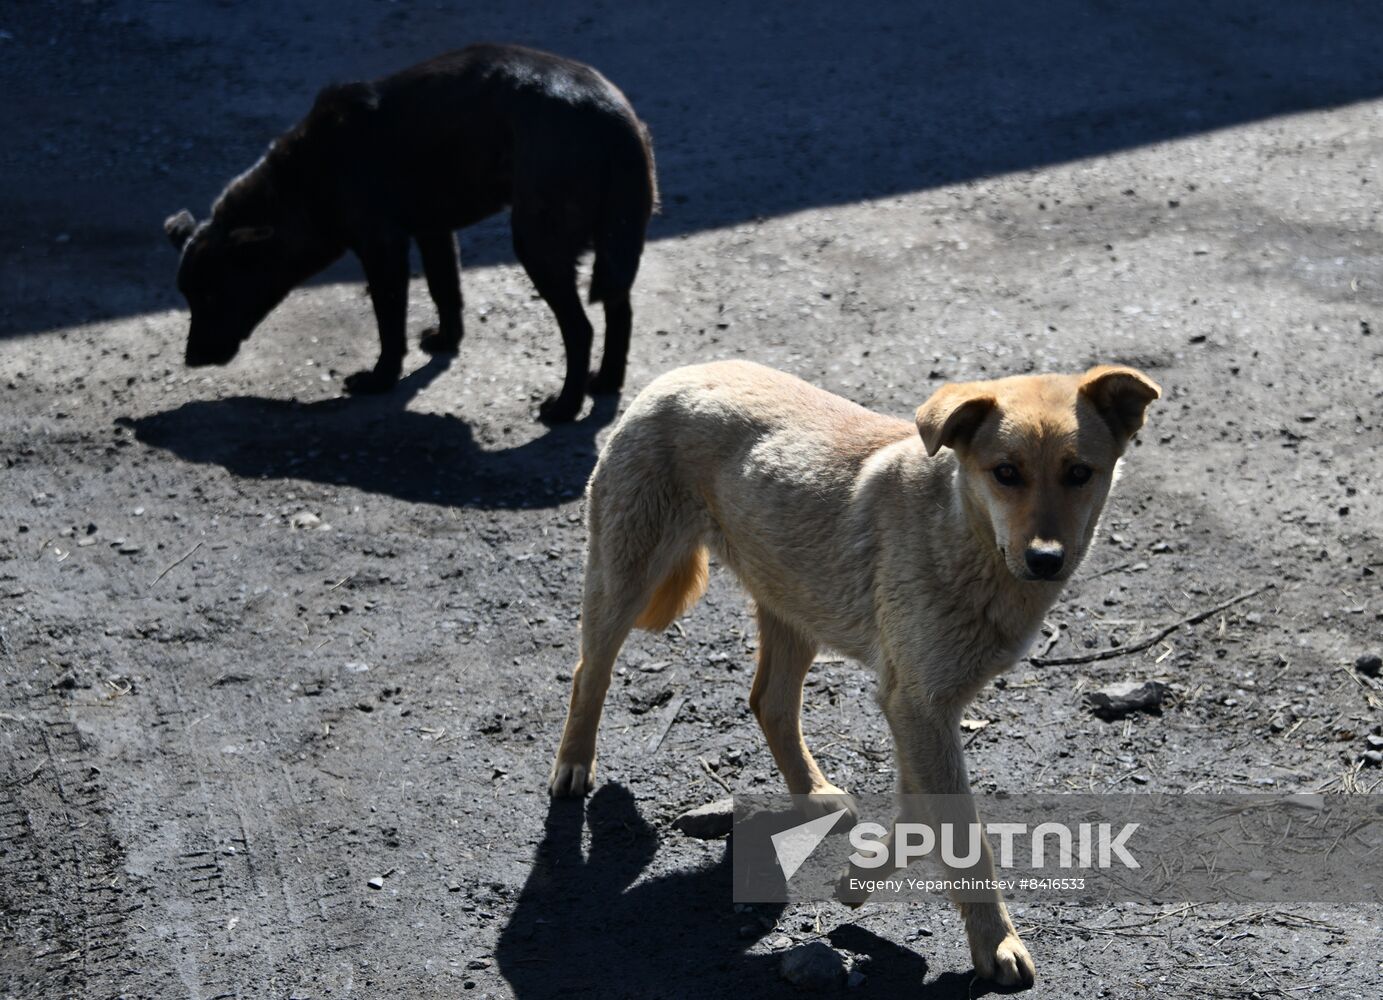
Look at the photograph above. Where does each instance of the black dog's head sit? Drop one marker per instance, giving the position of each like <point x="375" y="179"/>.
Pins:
<point x="231" y="277"/>
<point x="267" y="232"/>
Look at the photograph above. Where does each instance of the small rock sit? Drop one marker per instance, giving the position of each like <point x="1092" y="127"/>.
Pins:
<point x="1370" y="664"/>
<point x="364" y="706"/>
<point x="1374" y="742"/>
<point x="478" y="963"/>
<point x="707" y="822"/>
<point x="814" y="966"/>
<point x="1373" y="758"/>
<point x="129" y="549"/>
<point x="303" y="520"/>
<point x="1124" y="699"/>
<point x="376" y="883"/>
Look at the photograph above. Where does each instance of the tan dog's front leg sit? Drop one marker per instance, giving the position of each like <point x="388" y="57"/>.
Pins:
<point x="936" y="790"/>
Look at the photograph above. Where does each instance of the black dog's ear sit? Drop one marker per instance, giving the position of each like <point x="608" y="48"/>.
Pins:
<point x="953" y="414"/>
<point x="180" y="228"/>
<point x="343" y="102"/>
<point x="249" y="234"/>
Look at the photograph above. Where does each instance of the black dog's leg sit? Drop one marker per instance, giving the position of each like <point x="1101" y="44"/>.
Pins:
<point x="386" y="271"/>
<point x="552" y="267"/>
<point x="619" y="319"/>
<point x="442" y="267"/>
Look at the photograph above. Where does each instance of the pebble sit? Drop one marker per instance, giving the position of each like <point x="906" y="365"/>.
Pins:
<point x="1373" y="758"/>
<point x="813" y="966"/>
<point x="376" y="883"/>
<point x="1124" y="699"/>
<point x="708" y="822"/>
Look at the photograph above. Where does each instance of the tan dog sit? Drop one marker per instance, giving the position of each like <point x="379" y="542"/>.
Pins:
<point x="930" y="551"/>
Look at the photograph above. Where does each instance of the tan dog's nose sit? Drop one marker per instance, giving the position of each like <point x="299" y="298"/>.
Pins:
<point x="1044" y="559"/>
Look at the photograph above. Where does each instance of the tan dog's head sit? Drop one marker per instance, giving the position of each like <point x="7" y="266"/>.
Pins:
<point x="1037" y="456"/>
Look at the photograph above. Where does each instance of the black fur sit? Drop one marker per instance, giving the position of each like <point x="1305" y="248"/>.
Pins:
<point x="416" y="156"/>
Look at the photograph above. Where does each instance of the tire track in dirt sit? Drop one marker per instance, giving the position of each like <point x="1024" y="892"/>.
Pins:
<point x="66" y="900"/>
<point x="251" y="900"/>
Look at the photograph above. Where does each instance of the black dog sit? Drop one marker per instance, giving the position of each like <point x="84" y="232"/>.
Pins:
<point x="418" y="155"/>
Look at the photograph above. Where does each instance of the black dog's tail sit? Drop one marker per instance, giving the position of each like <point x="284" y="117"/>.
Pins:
<point x="630" y="197"/>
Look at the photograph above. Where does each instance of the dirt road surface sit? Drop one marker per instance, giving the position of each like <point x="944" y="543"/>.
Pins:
<point x="282" y="672"/>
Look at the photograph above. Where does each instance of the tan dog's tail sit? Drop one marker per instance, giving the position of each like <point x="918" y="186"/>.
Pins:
<point x="679" y="590"/>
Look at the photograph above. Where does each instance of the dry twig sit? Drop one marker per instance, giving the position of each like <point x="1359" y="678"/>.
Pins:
<point x="1155" y="638"/>
<point x="175" y="563"/>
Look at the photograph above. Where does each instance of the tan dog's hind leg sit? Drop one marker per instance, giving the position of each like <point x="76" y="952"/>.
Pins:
<point x="785" y="656"/>
<point x="632" y="577"/>
<point x="605" y="624"/>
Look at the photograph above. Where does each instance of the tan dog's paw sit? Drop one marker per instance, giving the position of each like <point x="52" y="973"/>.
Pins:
<point x="571" y="779"/>
<point x="1007" y="963"/>
<point x="828" y="800"/>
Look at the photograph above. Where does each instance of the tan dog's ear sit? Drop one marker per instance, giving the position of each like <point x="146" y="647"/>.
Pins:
<point x="1120" y="395"/>
<point x="953" y="414"/>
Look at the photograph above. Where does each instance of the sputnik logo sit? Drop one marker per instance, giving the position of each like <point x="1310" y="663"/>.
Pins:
<point x="796" y="844"/>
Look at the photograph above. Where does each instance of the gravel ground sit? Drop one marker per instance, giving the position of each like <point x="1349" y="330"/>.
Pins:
<point x="281" y="673"/>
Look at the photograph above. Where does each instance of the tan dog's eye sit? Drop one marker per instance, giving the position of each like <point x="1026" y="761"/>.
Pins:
<point x="1078" y="475"/>
<point x="1008" y="474"/>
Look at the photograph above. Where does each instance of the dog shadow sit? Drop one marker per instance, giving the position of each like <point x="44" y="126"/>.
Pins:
<point x="609" y="923"/>
<point x="375" y="444"/>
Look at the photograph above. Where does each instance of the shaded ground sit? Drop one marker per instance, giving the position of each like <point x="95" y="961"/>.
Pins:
<point x="260" y="645"/>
